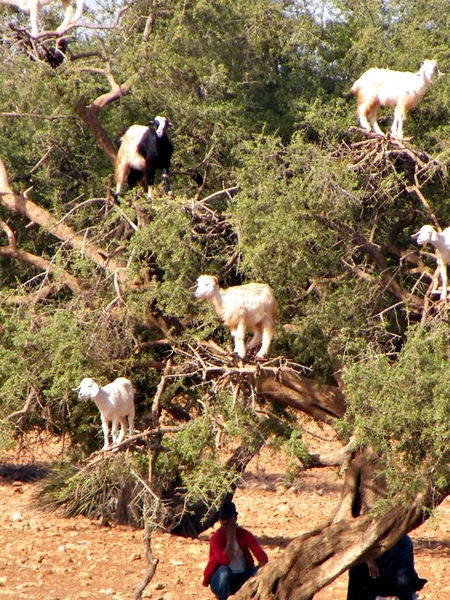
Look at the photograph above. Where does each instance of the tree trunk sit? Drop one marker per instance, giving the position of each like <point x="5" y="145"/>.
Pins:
<point x="36" y="214"/>
<point x="316" y="558"/>
<point x="319" y="401"/>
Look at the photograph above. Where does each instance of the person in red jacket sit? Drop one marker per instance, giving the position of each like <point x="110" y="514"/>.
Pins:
<point x="231" y="552"/>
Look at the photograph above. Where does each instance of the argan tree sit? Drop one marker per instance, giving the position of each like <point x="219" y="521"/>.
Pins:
<point x="272" y="182"/>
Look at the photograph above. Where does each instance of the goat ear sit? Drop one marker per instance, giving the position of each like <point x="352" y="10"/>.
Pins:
<point x="216" y="280"/>
<point x="94" y="388"/>
<point x="434" y="236"/>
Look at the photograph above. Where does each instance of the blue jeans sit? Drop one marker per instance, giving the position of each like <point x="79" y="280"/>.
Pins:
<point x="225" y="583"/>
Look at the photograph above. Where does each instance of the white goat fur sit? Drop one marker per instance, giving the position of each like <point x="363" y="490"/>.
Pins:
<point x="383" y="87"/>
<point x="251" y="306"/>
<point x="115" y="402"/>
<point x="441" y="241"/>
<point x="32" y="7"/>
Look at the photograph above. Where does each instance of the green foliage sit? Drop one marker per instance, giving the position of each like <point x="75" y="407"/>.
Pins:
<point x="401" y="408"/>
<point x="7" y="440"/>
<point x="190" y="456"/>
<point x="94" y="492"/>
<point x="257" y="93"/>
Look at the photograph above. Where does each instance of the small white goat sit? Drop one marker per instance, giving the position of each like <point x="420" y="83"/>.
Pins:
<point x="383" y="87"/>
<point x="115" y="402"/>
<point x="251" y="306"/>
<point x="32" y="7"/>
<point x="441" y="241"/>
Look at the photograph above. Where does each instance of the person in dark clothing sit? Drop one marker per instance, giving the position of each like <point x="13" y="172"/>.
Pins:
<point x="231" y="552"/>
<point x="391" y="574"/>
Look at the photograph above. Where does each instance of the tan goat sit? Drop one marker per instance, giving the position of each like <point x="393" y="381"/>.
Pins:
<point x="383" y="87"/>
<point x="251" y="306"/>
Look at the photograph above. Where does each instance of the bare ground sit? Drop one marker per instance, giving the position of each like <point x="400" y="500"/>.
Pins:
<point x="46" y="557"/>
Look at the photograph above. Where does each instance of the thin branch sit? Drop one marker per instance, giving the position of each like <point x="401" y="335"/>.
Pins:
<point x="18" y="413"/>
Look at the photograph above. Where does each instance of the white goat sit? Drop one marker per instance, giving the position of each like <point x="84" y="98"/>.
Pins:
<point x="115" y="402"/>
<point x="32" y="7"/>
<point x="383" y="87"/>
<point x="441" y="241"/>
<point x="251" y="306"/>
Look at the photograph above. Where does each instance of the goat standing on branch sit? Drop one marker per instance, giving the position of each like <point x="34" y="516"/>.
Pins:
<point x="441" y="241"/>
<point x="383" y="87"/>
<point x="32" y="7"/>
<point x="115" y="402"/>
<point x="251" y="306"/>
<point x="142" y="151"/>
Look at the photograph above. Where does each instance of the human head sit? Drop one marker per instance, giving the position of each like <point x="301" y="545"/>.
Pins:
<point x="227" y="511"/>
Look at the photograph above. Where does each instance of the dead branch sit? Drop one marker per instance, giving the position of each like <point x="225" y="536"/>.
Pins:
<point x="11" y="251"/>
<point x="36" y="214"/>
<point x="90" y="114"/>
<point x="43" y="293"/>
<point x="18" y="413"/>
<point x="337" y="458"/>
<point x="414" y="189"/>
<point x="276" y="380"/>
<point x="152" y="563"/>
<point x="375" y="253"/>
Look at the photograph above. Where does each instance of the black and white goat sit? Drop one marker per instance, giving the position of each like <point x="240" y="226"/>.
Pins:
<point x="143" y="150"/>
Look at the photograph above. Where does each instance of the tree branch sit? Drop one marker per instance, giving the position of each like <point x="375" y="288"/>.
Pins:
<point x="36" y="214"/>
<point x="90" y="114"/>
<point x="43" y="264"/>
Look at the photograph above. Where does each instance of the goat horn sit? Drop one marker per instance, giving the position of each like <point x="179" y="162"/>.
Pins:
<point x="76" y="389"/>
<point x="415" y="235"/>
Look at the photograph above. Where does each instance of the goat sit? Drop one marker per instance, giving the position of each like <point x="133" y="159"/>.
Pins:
<point x="383" y="87"/>
<point x="142" y="151"/>
<point x="115" y="402"/>
<point x="32" y="7"/>
<point x="251" y="306"/>
<point x="441" y="241"/>
<point x="4" y="182"/>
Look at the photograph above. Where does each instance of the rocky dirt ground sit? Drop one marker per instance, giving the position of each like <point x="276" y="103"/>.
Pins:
<point x="45" y="557"/>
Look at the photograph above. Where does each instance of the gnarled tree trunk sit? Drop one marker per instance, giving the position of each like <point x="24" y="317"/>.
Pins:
<point x="355" y="534"/>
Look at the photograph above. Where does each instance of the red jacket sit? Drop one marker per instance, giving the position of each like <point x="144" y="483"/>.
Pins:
<point x="217" y="557"/>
